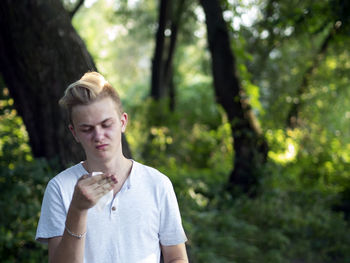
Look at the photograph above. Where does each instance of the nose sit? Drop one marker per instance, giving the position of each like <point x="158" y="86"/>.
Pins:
<point x="98" y="134"/>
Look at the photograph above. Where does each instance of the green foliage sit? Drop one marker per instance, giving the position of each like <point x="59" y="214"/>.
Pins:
<point x="277" y="226"/>
<point x="112" y="32"/>
<point x="21" y="192"/>
<point x="308" y="160"/>
<point x="200" y="140"/>
<point x="22" y="184"/>
<point x="13" y="136"/>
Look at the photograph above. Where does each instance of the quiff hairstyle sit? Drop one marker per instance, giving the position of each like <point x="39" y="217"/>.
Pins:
<point x="90" y="88"/>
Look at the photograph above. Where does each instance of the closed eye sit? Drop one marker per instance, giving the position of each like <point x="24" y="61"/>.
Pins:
<point x="107" y="124"/>
<point x="87" y="129"/>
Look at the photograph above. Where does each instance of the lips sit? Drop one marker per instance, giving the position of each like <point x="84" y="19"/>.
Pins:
<point x="101" y="146"/>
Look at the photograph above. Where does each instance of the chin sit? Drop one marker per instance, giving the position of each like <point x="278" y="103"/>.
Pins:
<point x="105" y="157"/>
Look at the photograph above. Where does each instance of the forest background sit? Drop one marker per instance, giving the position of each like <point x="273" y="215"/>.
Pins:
<point x="244" y="104"/>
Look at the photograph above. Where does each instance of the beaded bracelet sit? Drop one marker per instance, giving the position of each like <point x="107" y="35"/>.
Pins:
<point x="75" y="235"/>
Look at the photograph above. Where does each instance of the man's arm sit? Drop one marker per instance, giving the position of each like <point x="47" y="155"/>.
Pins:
<point x="53" y="244"/>
<point x="175" y="254"/>
<point x="69" y="248"/>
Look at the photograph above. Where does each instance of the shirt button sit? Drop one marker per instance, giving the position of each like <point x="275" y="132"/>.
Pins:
<point x="113" y="208"/>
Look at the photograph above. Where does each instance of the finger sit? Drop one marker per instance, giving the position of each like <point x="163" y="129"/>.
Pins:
<point x="91" y="180"/>
<point x="113" y="178"/>
<point x="109" y="177"/>
<point x="101" y="179"/>
<point x="102" y="190"/>
<point x="105" y="183"/>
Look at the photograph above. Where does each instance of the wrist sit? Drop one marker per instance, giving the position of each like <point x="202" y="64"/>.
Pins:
<point x="76" y="209"/>
<point x="78" y="236"/>
<point x="75" y="224"/>
<point x="76" y="215"/>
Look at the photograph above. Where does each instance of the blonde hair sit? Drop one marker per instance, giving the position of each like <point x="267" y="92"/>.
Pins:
<point x="90" y="88"/>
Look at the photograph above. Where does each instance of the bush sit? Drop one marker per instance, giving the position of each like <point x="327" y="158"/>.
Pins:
<point x="21" y="192"/>
<point x="276" y="227"/>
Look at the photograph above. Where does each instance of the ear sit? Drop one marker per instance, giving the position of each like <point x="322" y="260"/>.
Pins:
<point x="71" y="128"/>
<point x="124" y="121"/>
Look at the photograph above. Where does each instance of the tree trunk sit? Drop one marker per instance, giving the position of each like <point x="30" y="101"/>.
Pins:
<point x="162" y="85"/>
<point x="249" y="145"/>
<point x="41" y="54"/>
<point x="168" y="74"/>
<point x="157" y="89"/>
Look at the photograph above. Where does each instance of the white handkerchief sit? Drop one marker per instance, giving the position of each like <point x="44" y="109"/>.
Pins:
<point x="104" y="199"/>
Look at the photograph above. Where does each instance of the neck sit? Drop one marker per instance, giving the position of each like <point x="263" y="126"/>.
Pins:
<point x="120" y="167"/>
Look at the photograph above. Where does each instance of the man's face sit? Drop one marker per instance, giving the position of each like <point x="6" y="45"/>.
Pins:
<point x="98" y="127"/>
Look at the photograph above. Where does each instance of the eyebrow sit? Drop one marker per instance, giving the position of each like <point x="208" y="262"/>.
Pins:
<point x="90" y="125"/>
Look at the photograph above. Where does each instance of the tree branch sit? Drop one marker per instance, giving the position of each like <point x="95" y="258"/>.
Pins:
<point x="76" y="8"/>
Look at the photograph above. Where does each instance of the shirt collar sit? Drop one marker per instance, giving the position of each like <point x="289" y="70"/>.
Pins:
<point x="129" y="181"/>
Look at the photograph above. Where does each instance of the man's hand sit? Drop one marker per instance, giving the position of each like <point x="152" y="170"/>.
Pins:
<point x="89" y="189"/>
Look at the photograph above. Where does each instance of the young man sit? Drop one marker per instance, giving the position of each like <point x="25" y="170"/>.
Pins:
<point x="139" y="217"/>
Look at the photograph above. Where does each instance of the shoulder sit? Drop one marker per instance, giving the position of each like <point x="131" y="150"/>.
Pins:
<point x="152" y="184"/>
<point x="67" y="178"/>
<point x="72" y="173"/>
<point x="150" y="174"/>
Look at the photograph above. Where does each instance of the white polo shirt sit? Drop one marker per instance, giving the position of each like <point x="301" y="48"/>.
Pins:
<point x="131" y="227"/>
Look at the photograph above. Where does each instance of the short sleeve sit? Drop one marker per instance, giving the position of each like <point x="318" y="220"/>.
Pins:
<point x="171" y="231"/>
<point x="53" y="214"/>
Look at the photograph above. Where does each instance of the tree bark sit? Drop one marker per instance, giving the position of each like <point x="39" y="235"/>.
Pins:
<point x="249" y="145"/>
<point x="157" y="89"/>
<point x="162" y="85"/>
<point x="41" y="54"/>
<point x="168" y="79"/>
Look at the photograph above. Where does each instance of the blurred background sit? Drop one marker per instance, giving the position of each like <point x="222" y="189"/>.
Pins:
<point x="244" y="104"/>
